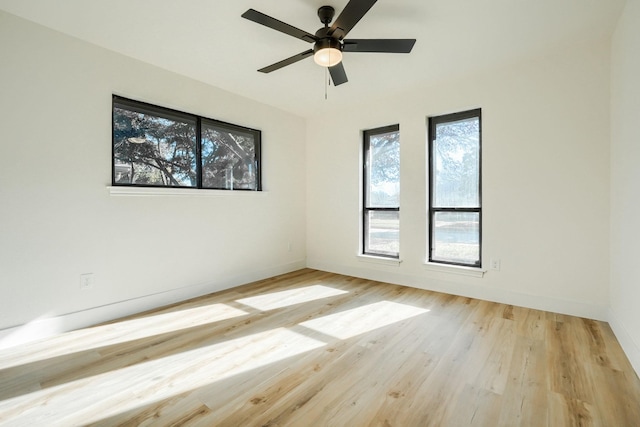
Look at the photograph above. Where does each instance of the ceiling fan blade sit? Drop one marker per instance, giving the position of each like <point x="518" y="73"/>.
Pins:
<point x="351" y="14"/>
<point x="338" y="75"/>
<point x="288" y="61"/>
<point x="379" y="45"/>
<point x="267" y="21"/>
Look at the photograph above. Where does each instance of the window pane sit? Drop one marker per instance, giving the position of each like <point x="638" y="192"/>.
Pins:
<point x="382" y="232"/>
<point x="456" y="154"/>
<point x="456" y="237"/>
<point x="228" y="159"/>
<point x="383" y="170"/>
<point x="150" y="149"/>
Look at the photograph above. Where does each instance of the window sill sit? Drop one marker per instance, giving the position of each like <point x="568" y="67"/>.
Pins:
<point x="193" y="192"/>
<point x="379" y="260"/>
<point x="455" y="269"/>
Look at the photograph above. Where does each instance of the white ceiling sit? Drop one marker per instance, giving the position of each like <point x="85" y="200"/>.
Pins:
<point x="210" y="42"/>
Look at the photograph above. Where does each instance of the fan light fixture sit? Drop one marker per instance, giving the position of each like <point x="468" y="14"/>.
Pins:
<point x="327" y="52"/>
<point x="328" y="57"/>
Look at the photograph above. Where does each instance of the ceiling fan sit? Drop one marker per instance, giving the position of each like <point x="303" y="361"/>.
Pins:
<point x="330" y="42"/>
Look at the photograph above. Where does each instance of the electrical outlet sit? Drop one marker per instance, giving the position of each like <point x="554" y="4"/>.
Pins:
<point x="87" y="281"/>
<point x="495" y="264"/>
<point x="289" y="247"/>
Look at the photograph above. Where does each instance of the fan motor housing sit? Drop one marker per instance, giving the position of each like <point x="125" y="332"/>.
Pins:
<point x="327" y="42"/>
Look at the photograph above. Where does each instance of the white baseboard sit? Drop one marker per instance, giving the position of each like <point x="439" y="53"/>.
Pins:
<point x="629" y="346"/>
<point x="49" y="326"/>
<point x="556" y="305"/>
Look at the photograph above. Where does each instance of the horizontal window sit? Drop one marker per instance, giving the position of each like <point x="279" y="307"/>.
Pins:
<point x="159" y="147"/>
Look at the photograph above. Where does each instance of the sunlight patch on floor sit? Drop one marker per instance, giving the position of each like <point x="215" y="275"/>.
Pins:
<point x="290" y="297"/>
<point x="100" y="396"/>
<point x="117" y="333"/>
<point x="41" y="327"/>
<point x="131" y="385"/>
<point x="349" y="323"/>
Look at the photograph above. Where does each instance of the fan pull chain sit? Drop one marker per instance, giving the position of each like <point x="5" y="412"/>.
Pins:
<point x="326" y="82"/>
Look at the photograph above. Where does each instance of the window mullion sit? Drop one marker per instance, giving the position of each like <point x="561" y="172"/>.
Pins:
<point x="199" y="153"/>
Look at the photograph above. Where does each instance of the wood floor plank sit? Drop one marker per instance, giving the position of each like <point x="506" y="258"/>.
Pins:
<point x="568" y="374"/>
<point x="524" y="401"/>
<point x="568" y="411"/>
<point x="322" y="349"/>
<point x="475" y="407"/>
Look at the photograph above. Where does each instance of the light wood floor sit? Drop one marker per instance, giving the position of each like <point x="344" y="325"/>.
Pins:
<point x="318" y="349"/>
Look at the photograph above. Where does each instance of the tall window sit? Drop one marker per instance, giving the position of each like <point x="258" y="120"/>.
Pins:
<point x="155" y="146"/>
<point x="455" y="214"/>
<point x="381" y="210"/>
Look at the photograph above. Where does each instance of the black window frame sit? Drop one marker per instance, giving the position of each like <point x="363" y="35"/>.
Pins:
<point x="433" y="122"/>
<point x="366" y="136"/>
<point x="146" y="108"/>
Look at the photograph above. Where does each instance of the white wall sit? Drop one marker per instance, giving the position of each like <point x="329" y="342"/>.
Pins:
<point x="58" y="220"/>
<point x="545" y="183"/>
<point x="545" y="197"/>
<point x="625" y="182"/>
